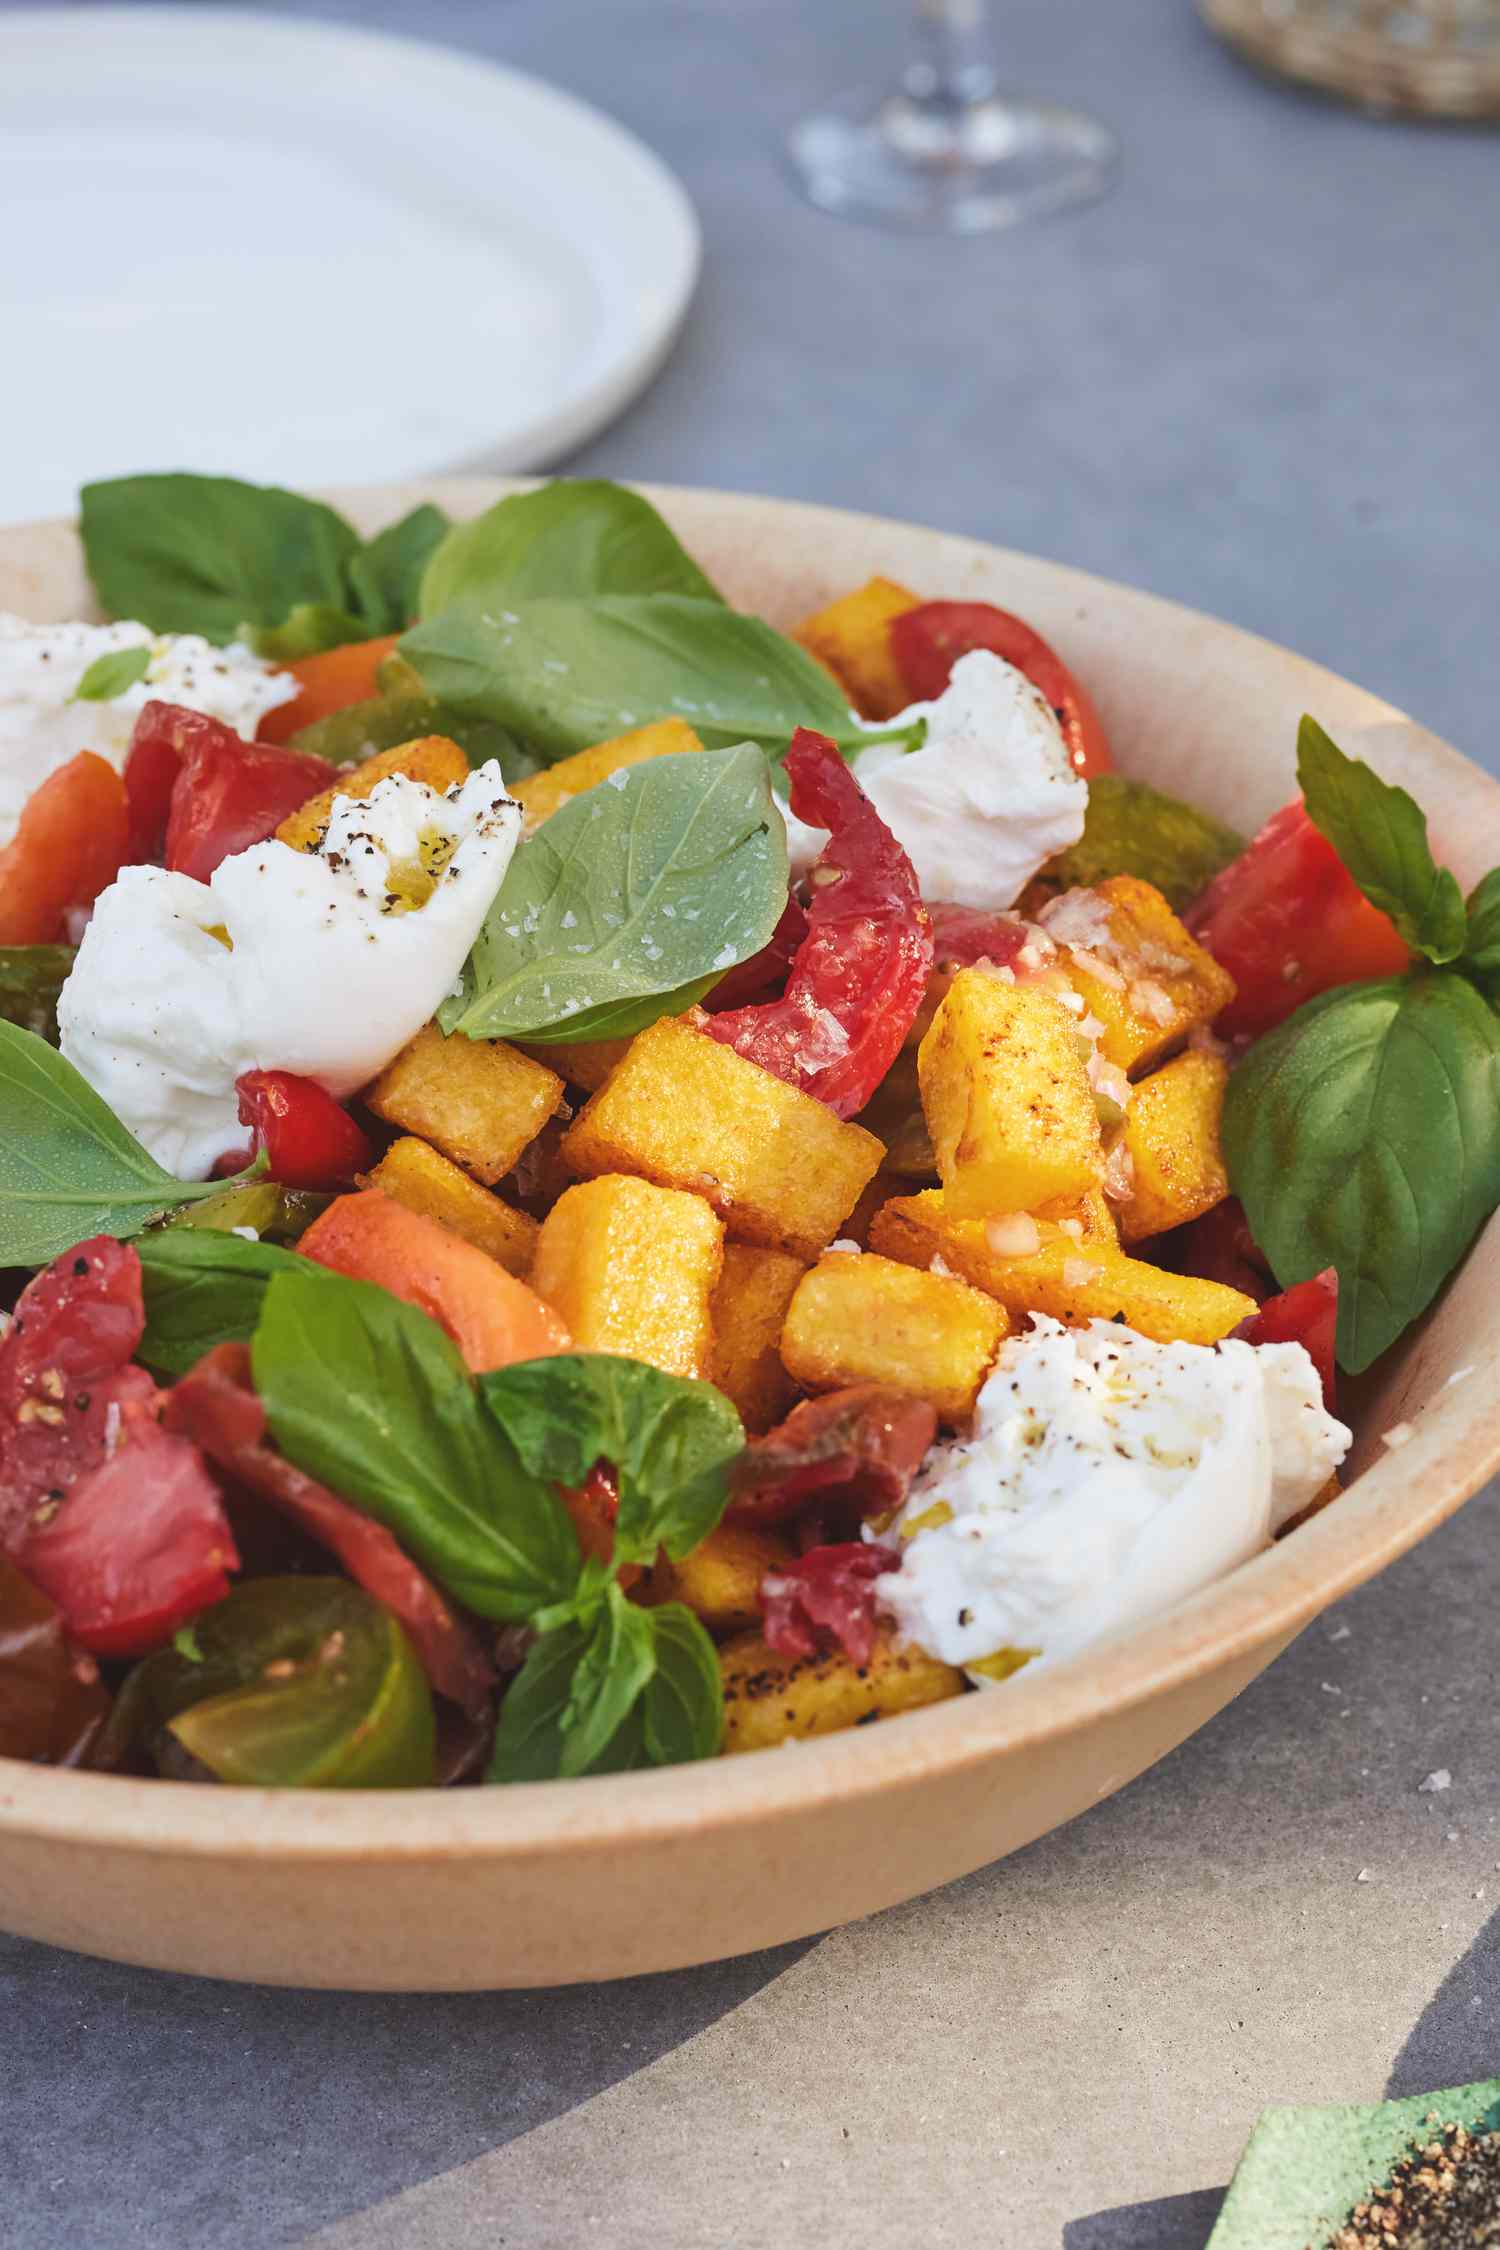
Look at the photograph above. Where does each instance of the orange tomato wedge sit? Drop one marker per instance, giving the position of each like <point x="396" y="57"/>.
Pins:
<point x="327" y="682"/>
<point x="69" y="845"/>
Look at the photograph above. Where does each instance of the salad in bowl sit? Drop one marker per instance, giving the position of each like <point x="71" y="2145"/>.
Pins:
<point x="585" y="1184"/>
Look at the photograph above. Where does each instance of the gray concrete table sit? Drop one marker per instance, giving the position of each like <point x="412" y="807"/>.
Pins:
<point x="1261" y="379"/>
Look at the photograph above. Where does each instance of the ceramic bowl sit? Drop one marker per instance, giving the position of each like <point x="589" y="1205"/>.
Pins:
<point x="555" y="1882"/>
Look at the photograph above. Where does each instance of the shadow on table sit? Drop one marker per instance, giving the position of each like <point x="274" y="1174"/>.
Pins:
<point x="1455" y="2039"/>
<point x="256" y="2116"/>
<point x="1172" y="2222"/>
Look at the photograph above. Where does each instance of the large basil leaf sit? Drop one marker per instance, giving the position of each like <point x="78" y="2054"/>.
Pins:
<point x="663" y="876"/>
<point x="191" y="554"/>
<point x="1132" y="829"/>
<point x="574" y="536"/>
<point x="669" y="1441"/>
<point x="206" y="1288"/>
<point x="682" y="1710"/>
<point x="31" y="977"/>
<point x="626" y="1688"/>
<point x="1481" y="958"/>
<point x="529" y="1739"/>
<point x="385" y="577"/>
<point x="612" y="1671"/>
<point x="308" y="630"/>
<point x="68" y="1167"/>
<point x="1380" y="834"/>
<point x="564" y="674"/>
<point x="370" y="1397"/>
<point x="1364" y="1133"/>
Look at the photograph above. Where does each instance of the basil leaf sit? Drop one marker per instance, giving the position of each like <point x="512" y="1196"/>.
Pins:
<point x="307" y="630"/>
<point x="410" y="1441"/>
<point x="31" y="977"/>
<point x="1380" y="834"/>
<point x="566" y="674"/>
<point x="613" y="1669"/>
<point x="1132" y="829"/>
<point x="529" y="1738"/>
<point x="669" y="1441"/>
<point x="578" y="536"/>
<point x="68" y="1167"/>
<point x="682" y="1710"/>
<point x="203" y="1289"/>
<point x="664" y="875"/>
<point x="191" y="554"/>
<point x="1364" y="1133"/>
<point x="385" y="577"/>
<point x="623" y="1019"/>
<point x="1481" y="959"/>
<point x="111" y="674"/>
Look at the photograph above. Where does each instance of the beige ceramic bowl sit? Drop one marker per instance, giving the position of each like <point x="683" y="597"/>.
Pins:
<point x="561" y="1881"/>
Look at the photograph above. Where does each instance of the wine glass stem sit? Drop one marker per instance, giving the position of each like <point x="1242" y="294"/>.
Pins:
<point x="952" y="64"/>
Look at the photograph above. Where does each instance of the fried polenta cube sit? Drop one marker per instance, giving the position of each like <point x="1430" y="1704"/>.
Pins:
<point x="769" y="1699"/>
<point x="542" y="794"/>
<point x="424" y="1180"/>
<point x="755" y="1287"/>
<point x="1141" y="975"/>
<point x="862" y="1319"/>
<point x="720" y="1580"/>
<point x="1007" y="1098"/>
<point x="478" y="1100"/>
<point x="680" y="1109"/>
<point x="1074" y="1281"/>
<point x="1171" y="1131"/>
<point x="852" y="638"/>
<point x="629" y="1267"/>
<point x="431" y="758"/>
<point x="586" y="1063"/>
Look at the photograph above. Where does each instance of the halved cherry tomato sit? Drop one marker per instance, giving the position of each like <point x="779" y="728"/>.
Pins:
<point x="1307" y="1314"/>
<point x="492" y="1317"/>
<point x="207" y="790"/>
<point x="309" y="1140"/>
<point x="827" y="1595"/>
<point x="1288" y="920"/>
<point x="71" y="842"/>
<point x="327" y="682"/>
<point x="928" y="641"/>
<point x="858" y="976"/>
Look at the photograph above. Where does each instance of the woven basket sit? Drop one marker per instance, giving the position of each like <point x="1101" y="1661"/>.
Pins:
<point x="1431" y="58"/>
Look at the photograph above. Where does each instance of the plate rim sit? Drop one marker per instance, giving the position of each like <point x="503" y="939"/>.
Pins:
<point x="1396" y="1500"/>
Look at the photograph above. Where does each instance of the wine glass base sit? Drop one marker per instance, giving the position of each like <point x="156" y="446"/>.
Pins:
<point x="899" y="162"/>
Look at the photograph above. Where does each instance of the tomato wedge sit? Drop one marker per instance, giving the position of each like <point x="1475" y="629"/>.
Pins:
<point x="327" y="682"/>
<point x="858" y="977"/>
<point x="310" y="1141"/>
<point x="1288" y="921"/>
<point x="198" y="791"/>
<point x="928" y="641"/>
<point x="828" y="1595"/>
<point x="1307" y="1314"/>
<point x="71" y="842"/>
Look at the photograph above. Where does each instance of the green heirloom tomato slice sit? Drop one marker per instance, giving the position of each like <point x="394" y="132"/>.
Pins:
<point x="292" y="1683"/>
<point x="277" y="1214"/>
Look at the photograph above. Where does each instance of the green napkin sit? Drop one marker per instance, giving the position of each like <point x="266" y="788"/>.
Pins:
<point x="1305" y="2169"/>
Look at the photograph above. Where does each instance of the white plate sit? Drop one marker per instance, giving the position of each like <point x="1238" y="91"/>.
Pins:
<point x="305" y="254"/>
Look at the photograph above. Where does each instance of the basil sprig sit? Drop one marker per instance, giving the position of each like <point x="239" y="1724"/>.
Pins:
<point x="633" y="899"/>
<point x="466" y="1475"/>
<point x="216" y="556"/>
<point x="1364" y="1132"/>
<point x="68" y="1167"/>
<point x="113" y="673"/>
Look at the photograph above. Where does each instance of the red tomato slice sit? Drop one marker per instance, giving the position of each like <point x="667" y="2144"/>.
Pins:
<point x="327" y="682"/>
<point x="1288" y="920"/>
<point x="309" y="1140"/>
<point x="207" y="790"/>
<point x="1307" y="1314"/>
<point x="928" y="641"/>
<point x="828" y="1595"/>
<point x="70" y="843"/>
<point x="858" y="1449"/>
<point x="858" y="976"/>
<point x="215" y="1405"/>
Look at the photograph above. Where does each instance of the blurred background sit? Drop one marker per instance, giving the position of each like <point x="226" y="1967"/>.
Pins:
<point x="1257" y="374"/>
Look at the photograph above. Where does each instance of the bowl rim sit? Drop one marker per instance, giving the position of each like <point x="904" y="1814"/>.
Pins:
<point x="1395" y="1501"/>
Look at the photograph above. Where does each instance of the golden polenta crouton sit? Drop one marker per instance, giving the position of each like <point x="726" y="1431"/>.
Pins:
<point x="858" y="1319"/>
<point x="1171" y="1131"/>
<point x="541" y="794"/>
<point x="1007" y="1098"/>
<point x="478" y="1100"/>
<point x="412" y="1173"/>
<point x="778" y="1167"/>
<point x="1145" y="979"/>
<point x="770" y="1699"/>
<point x="586" y="1063"/>
<point x="431" y="758"/>
<point x="720" y="1579"/>
<point x="852" y="637"/>
<point x="749" y="1307"/>
<point x="630" y="1267"/>
<point x="1073" y="1281"/>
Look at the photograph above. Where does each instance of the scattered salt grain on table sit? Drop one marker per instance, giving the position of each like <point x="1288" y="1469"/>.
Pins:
<point x="1440" y="1778"/>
